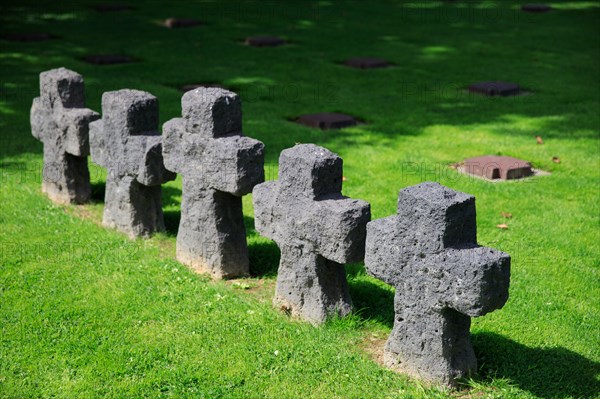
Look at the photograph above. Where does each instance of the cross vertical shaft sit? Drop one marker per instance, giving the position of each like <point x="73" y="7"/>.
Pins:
<point x="60" y="121"/>
<point x="218" y="165"/>
<point x="429" y="252"/>
<point x="126" y="142"/>
<point x="316" y="228"/>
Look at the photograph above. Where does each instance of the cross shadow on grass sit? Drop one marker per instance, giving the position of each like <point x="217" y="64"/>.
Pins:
<point x="171" y="214"/>
<point x="171" y="222"/>
<point x="264" y="254"/>
<point x="373" y="300"/>
<point x="98" y="191"/>
<point x="545" y="372"/>
<point x="171" y="209"/>
<point x="264" y="259"/>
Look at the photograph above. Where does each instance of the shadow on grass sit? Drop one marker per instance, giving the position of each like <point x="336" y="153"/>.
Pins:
<point x="171" y="222"/>
<point x="264" y="259"/>
<point x="264" y="255"/>
<point x="171" y="195"/>
<point x="545" y="372"/>
<point x="98" y="191"/>
<point x="372" y="301"/>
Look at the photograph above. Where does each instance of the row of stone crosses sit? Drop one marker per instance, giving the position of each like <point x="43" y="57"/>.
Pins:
<point x="428" y="251"/>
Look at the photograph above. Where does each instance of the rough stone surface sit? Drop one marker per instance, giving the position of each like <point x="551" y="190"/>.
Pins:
<point x="107" y="59"/>
<point x="60" y="120"/>
<point x="497" y="167"/>
<point x="536" y="7"/>
<point x="126" y="141"/>
<point x="181" y="23"/>
<point x="264" y="41"/>
<point x="367" y="63"/>
<point x="327" y="120"/>
<point x="219" y="165"/>
<point x="316" y="228"/>
<point x="497" y="88"/>
<point x="186" y="88"/>
<point x="429" y="252"/>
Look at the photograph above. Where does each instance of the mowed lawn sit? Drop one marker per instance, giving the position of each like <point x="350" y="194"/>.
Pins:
<point x="87" y="313"/>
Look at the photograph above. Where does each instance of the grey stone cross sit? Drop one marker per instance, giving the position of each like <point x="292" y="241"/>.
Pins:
<point x="316" y="228"/>
<point x="60" y="121"/>
<point x="218" y="166"/>
<point x="429" y="252"/>
<point x="126" y="142"/>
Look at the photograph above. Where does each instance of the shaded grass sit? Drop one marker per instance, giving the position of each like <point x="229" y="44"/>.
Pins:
<point x="84" y="312"/>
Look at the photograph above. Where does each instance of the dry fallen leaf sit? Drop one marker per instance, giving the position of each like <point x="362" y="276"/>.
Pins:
<point x="506" y="215"/>
<point x="556" y="159"/>
<point x="502" y="226"/>
<point x="539" y="139"/>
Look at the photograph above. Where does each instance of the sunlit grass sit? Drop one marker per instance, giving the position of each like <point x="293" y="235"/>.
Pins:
<point x="87" y="313"/>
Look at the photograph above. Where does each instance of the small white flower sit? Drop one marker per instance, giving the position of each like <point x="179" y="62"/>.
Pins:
<point x="276" y="353"/>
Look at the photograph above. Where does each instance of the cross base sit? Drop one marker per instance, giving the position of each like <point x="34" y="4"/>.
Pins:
<point x="134" y="209"/>
<point x="309" y="286"/>
<point x="67" y="179"/>
<point x="434" y="345"/>
<point x="212" y="237"/>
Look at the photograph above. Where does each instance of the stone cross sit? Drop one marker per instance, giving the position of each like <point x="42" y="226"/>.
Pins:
<point x="126" y="142"/>
<point x="429" y="252"/>
<point x="316" y="228"/>
<point x="218" y="166"/>
<point x="60" y="121"/>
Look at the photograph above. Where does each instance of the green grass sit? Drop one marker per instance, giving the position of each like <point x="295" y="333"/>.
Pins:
<point x="87" y="313"/>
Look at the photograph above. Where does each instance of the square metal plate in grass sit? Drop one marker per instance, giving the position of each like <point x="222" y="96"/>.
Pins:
<point x="107" y="59"/>
<point x="327" y="120"/>
<point x="264" y="41"/>
<point x="494" y="167"/>
<point x="536" y="7"/>
<point x="367" y="63"/>
<point x="181" y="23"/>
<point x="496" y="88"/>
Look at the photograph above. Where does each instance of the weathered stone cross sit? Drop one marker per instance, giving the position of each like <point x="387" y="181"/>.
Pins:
<point x="60" y="121"/>
<point x="218" y="166"/>
<point x="429" y="252"/>
<point x="126" y="141"/>
<point x="316" y="228"/>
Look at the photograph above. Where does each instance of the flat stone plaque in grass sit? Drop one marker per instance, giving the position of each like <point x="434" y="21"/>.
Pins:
<point x="367" y="63"/>
<point x="327" y="120"/>
<point x="107" y="59"/>
<point x="264" y="41"/>
<point x="181" y="23"/>
<point x="497" y="88"/>
<point x="29" y="37"/>
<point x="186" y="88"/>
<point x="112" y="7"/>
<point x="494" y="167"/>
<point x="536" y="7"/>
